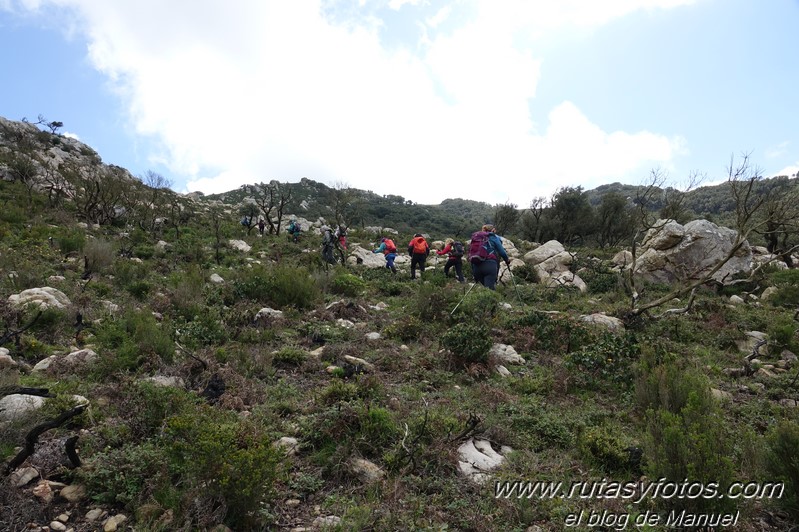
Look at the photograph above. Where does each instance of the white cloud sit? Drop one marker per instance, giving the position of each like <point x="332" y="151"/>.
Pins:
<point x="70" y="135"/>
<point x="274" y="90"/>
<point x="778" y="150"/>
<point x="790" y="170"/>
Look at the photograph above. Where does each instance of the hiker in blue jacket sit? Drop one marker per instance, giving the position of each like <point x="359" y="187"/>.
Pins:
<point x="389" y="249"/>
<point x="485" y="250"/>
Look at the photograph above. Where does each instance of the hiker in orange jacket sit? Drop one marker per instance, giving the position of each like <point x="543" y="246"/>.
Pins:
<point x="418" y="249"/>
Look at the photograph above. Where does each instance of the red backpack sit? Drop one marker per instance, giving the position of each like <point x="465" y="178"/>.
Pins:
<point x="390" y="247"/>
<point x="419" y="245"/>
<point x="480" y="247"/>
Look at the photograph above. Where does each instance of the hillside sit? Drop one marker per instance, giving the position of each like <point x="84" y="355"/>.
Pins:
<point x="209" y="378"/>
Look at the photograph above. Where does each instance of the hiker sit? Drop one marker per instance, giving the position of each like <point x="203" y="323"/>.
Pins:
<point x="261" y="226"/>
<point x="418" y="250"/>
<point x="389" y="249"/>
<point x="245" y="221"/>
<point x="454" y="250"/>
<point x="328" y="243"/>
<point x="294" y="229"/>
<point x="485" y="250"/>
<point x="341" y="241"/>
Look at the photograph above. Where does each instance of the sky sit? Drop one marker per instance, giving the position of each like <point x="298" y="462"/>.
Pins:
<point x="491" y="100"/>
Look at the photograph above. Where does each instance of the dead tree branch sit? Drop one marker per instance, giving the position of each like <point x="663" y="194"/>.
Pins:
<point x="33" y="436"/>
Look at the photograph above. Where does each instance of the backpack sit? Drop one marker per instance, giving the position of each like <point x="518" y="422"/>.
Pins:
<point x="480" y="247"/>
<point x="457" y="249"/>
<point x="419" y="246"/>
<point x="390" y="247"/>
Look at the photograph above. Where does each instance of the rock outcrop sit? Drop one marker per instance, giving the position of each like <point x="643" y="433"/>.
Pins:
<point x="672" y="252"/>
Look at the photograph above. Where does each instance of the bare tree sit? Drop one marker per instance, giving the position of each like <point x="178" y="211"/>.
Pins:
<point x="272" y="198"/>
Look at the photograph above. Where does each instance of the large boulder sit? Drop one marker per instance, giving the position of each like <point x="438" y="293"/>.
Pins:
<point x="671" y="252"/>
<point x="476" y="459"/>
<point x="44" y="298"/>
<point x="552" y="262"/>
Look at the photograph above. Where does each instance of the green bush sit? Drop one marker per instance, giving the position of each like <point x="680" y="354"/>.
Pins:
<point x="605" y="448"/>
<point x="131" y="341"/>
<point x="127" y="475"/>
<point x="470" y="342"/>
<point x="99" y="255"/>
<point x="219" y="458"/>
<point x="406" y="329"/>
<point x="782" y="462"/>
<point x="478" y="305"/>
<point x="290" y="356"/>
<point x="139" y="289"/>
<point x="349" y="285"/>
<point x="694" y="443"/>
<point x="281" y="286"/>
<point x="605" y="364"/>
<point x="71" y="241"/>
<point x="782" y="331"/>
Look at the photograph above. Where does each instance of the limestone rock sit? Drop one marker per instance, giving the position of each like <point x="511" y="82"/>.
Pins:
<point x="289" y="444"/>
<point x="216" y="278"/>
<point x="165" y="381"/>
<point x="43" y="298"/>
<point x="476" y="458"/>
<point x="81" y="357"/>
<point x="6" y="362"/>
<point x="502" y="370"/>
<point x="609" y="322"/>
<point x="73" y="492"/>
<point x="325" y="522"/>
<point x="240" y="245"/>
<point x="355" y="361"/>
<point x="367" y="471"/>
<point x="505" y="354"/>
<point x="720" y="395"/>
<point x="701" y="245"/>
<point x="267" y="312"/>
<point x="622" y="259"/>
<point x="44" y="364"/>
<point x="22" y="476"/>
<point x="112" y="523"/>
<point x="16" y="406"/>
<point x="373" y="336"/>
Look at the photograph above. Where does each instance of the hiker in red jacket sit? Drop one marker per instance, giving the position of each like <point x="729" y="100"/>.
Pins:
<point x="418" y="250"/>
<point x="454" y="250"/>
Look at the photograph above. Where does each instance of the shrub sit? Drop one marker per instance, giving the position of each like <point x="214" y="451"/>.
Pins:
<point x="348" y="285"/>
<point x="432" y="304"/>
<point x="479" y="305"/>
<point x="406" y="329"/>
<point x="783" y="332"/>
<point x="691" y="444"/>
<point x="131" y="341"/>
<point x="209" y="452"/>
<point x="471" y="342"/>
<point x="338" y="391"/>
<point x="605" y="364"/>
<point x="99" y="255"/>
<point x="290" y="356"/>
<point x="127" y="475"/>
<point x="71" y="241"/>
<point x="782" y="462"/>
<point x="281" y="286"/>
<point x="605" y="448"/>
<point x="139" y="289"/>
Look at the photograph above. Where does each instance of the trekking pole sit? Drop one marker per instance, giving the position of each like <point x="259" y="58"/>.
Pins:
<point x="461" y="301"/>
<point x="513" y="278"/>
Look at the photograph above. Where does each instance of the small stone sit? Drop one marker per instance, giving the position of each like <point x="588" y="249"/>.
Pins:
<point x="502" y="370"/>
<point x="63" y="517"/>
<point x="367" y="471"/>
<point x="95" y="514"/>
<point x="332" y="369"/>
<point x="216" y="278"/>
<point x="355" y="361"/>
<point x="347" y="324"/>
<point x="403" y="347"/>
<point x="73" y="492"/>
<point x="327" y="521"/>
<point x="113" y="522"/>
<point x="57" y="526"/>
<point x="43" y="491"/>
<point x="373" y="336"/>
<point x="22" y="476"/>
<point x="720" y="395"/>
<point x="292" y="503"/>
<point x="289" y="444"/>
<point x="736" y="300"/>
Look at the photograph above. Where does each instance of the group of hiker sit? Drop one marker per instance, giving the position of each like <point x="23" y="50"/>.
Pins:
<point x="485" y="251"/>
